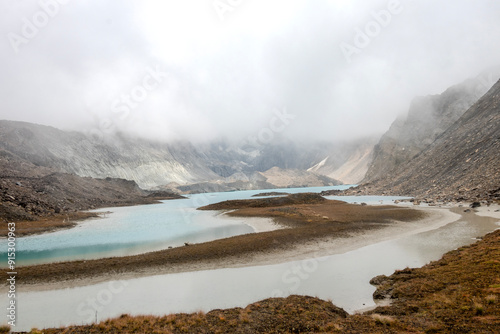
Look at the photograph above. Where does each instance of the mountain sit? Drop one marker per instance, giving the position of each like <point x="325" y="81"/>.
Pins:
<point x="344" y="161"/>
<point x="28" y="192"/>
<point x="428" y="117"/>
<point x="154" y="165"/>
<point x="462" y="163"/>
<point x="147" y="163"/>
<point x="353" y="166"/>
<point x="272" y="178"/>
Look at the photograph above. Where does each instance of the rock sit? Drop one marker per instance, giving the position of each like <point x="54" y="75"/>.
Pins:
<point x="378" y="280"/>
<point x="475" y="205"/>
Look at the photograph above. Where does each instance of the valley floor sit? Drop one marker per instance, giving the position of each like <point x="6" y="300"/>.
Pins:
<point x="458" y="294"/>
<point x="312" y="230"/>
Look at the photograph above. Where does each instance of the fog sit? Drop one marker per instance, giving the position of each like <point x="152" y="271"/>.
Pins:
<point x="202" y="70"/>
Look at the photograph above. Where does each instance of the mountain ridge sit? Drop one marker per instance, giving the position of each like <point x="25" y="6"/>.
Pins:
<point x="428" y="117"/>
<point x="461" y="164"/>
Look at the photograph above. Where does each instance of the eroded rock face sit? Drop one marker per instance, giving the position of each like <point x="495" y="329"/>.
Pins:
<point x="151" y="165"/>
<point x="148" y="164"/>
<point x="428" y="118"/>
<point x="462" y="163"/>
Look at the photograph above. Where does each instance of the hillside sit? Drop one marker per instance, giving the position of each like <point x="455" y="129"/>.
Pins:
<point x="358" y="157"/>
<point x="213" y="166"/>
<point x="463" y="163"/>
<point x="28" y="192"/>
<point x="147" y="163"/>
<point x="428" y="117"/>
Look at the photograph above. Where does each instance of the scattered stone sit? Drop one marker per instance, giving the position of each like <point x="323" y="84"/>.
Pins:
<point x="378" y="280"/>
<point x="475" y="205"/>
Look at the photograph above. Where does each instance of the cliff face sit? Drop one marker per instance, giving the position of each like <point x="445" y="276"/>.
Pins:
<point x="147" y="163"/>
<point x="427" y="119"/>
<point x="153" y="165"/>
<point x="462" y="163"/>
<point x="352" y="168"/>
<point x="28" y="191"/>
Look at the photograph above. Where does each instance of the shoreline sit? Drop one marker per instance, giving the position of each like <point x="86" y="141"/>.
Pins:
<point x="435" y="218"/>
<point x="62" y="221"/>
<point x="459" y="293"/>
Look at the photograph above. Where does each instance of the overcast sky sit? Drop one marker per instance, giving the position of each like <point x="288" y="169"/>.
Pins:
<point x="202" y="69"/>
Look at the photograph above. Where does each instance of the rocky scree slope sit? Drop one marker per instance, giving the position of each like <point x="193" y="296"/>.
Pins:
<point x="155" y="164"/>
<point x="428" y="117"/>
<point x="461" y="164"/>
<point x="28" y="192"/>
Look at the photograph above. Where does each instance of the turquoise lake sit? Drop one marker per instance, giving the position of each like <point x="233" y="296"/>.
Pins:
<point x="138" y="229"/>
<point x="343" y="278"/>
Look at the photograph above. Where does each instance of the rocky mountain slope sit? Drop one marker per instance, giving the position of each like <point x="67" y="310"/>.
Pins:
<point x="357" y="157"/>
<point x="273" y="178"/>
<point x="462" y="163"/>
<point x="147" y="163"/>
<point x="428" y="117"/>
<point x="28" y="192"/>
<point x="152" y="165"/>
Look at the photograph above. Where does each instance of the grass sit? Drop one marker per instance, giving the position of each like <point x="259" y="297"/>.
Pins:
<point x="48" y="224"/>
<point x="478" y="309"/>
<point x="4" y="328"/>
<point x="491" y="299"/>
<point x="383" y="319"/>
<point x="457" y="294"/>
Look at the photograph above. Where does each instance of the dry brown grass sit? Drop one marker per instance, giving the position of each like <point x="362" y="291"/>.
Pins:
<point x="457" y="294"/>
<point x="47" y="224"/>
<point x="383" y="319"/>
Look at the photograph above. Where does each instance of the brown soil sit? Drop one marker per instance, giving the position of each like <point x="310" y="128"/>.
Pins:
<point x="272" y="193"/>
<point x="48" y="224"/>
<point x="458" y="294"/>
<point x="307" y="222"/>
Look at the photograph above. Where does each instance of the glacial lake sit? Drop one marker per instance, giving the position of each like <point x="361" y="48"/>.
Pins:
<point x="138" y="229"/>
<point x="342" y="278"/>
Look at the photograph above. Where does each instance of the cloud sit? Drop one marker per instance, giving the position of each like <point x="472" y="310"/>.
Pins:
<point x="89" y="65"/>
